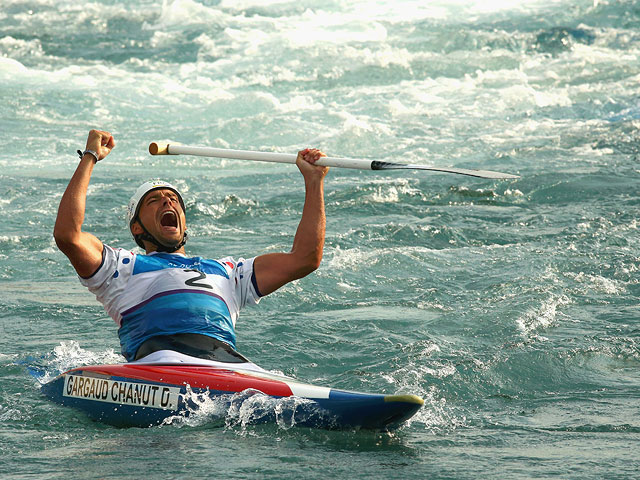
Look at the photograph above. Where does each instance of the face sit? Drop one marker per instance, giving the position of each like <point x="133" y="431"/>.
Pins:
<point x="162" y="215"/>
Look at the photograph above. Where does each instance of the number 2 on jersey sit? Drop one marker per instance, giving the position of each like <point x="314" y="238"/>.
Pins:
<point x="192" y="281"/>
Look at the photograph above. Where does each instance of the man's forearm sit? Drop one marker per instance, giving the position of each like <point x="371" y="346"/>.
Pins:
<point x="308" y="242"/>
<point x="273" y="270"/>
<point x="72" y="205"/>
<point x="83" y="249"/>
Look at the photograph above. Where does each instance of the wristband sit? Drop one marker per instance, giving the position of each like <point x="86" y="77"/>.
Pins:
<point x="91" y="152"/>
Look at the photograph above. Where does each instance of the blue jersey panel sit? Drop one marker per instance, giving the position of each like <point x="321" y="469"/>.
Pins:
<point x="178" y="311"/>
<point x="160" y="261"/>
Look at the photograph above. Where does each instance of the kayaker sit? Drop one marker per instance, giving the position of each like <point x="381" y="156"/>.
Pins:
<point x="170" y="307"/>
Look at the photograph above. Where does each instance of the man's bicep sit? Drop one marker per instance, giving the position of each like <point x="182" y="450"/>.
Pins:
<point x="273" y="270"/>
<point x="85" y="254"/>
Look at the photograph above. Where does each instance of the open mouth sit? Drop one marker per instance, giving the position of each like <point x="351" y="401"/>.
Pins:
<point x="169" y="219"/>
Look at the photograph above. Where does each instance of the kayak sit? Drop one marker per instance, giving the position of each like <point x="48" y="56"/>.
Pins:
<point x="143" y="395"/>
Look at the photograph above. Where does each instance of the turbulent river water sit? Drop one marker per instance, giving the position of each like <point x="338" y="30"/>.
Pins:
<point x="510" y="306"/>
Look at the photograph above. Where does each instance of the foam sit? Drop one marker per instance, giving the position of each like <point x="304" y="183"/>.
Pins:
<point x="10" y="67"/>
<point x="598" y="283"/>
<point x="14" y="239"/>
<point x="542" y="317"/>
<point x="226" y="71"/>
<point x="69" y="354"/>
<point x="296" y="103"/>
<point x="316" y="27"/>
<point x="21" y="48"/>
<point x="179" y="13"/>
<point x="436" y="415"/>
<point x="238" y="411"/>
<point x="242" y="5"/>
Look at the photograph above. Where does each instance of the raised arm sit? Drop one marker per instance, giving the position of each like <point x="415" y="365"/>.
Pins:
<point x="83" y="249"/>
<point x="273" y="270"/>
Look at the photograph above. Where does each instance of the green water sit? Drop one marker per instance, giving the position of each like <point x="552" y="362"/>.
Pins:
<point x="511" y="307"/>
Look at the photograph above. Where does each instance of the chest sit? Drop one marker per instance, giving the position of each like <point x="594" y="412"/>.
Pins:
<point x="154" y="277"/>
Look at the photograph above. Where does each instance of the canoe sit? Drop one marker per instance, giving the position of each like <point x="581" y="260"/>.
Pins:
<point x="143" y="395"/>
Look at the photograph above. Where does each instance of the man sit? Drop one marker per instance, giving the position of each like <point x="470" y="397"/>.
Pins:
<point x="170" y="307"/>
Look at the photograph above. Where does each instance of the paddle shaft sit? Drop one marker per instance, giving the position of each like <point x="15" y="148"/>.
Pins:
<point x="256" y="156"/>
<point x="354" y="163"/>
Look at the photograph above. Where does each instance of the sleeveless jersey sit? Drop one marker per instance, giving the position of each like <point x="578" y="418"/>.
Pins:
<point x="169" y="293"/>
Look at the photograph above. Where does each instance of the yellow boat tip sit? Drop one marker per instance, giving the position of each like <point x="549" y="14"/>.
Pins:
<point x="404" y="398"/>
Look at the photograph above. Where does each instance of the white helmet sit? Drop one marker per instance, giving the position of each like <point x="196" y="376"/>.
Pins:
<point x="134" y="204"/>
<point x="134" y="208"/>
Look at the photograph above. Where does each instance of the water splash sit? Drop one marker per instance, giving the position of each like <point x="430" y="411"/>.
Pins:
<point x="239" y="411"/>
<point x="543" y="317"/>
<point x="66" y="356"/>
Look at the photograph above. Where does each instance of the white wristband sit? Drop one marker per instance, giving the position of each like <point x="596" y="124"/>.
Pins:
<point x="95" y="154"/>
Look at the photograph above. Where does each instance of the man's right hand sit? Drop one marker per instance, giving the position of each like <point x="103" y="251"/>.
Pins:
<point x="100" y="142"/>
<point x="306" y="164"/>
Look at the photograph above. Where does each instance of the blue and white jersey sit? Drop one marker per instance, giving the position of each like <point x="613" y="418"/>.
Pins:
<point x="169" y="293"/>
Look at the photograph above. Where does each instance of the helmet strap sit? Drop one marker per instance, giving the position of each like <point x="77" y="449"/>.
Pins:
<point x="160" y="247"/>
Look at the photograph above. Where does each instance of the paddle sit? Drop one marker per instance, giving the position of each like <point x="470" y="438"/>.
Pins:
<point x="173" y="149"/>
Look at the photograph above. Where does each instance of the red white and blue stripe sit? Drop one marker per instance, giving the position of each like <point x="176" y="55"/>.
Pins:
<point x="142" y="395"/>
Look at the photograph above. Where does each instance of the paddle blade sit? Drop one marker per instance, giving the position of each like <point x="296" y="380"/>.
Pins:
<point x="460" y="171"/>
